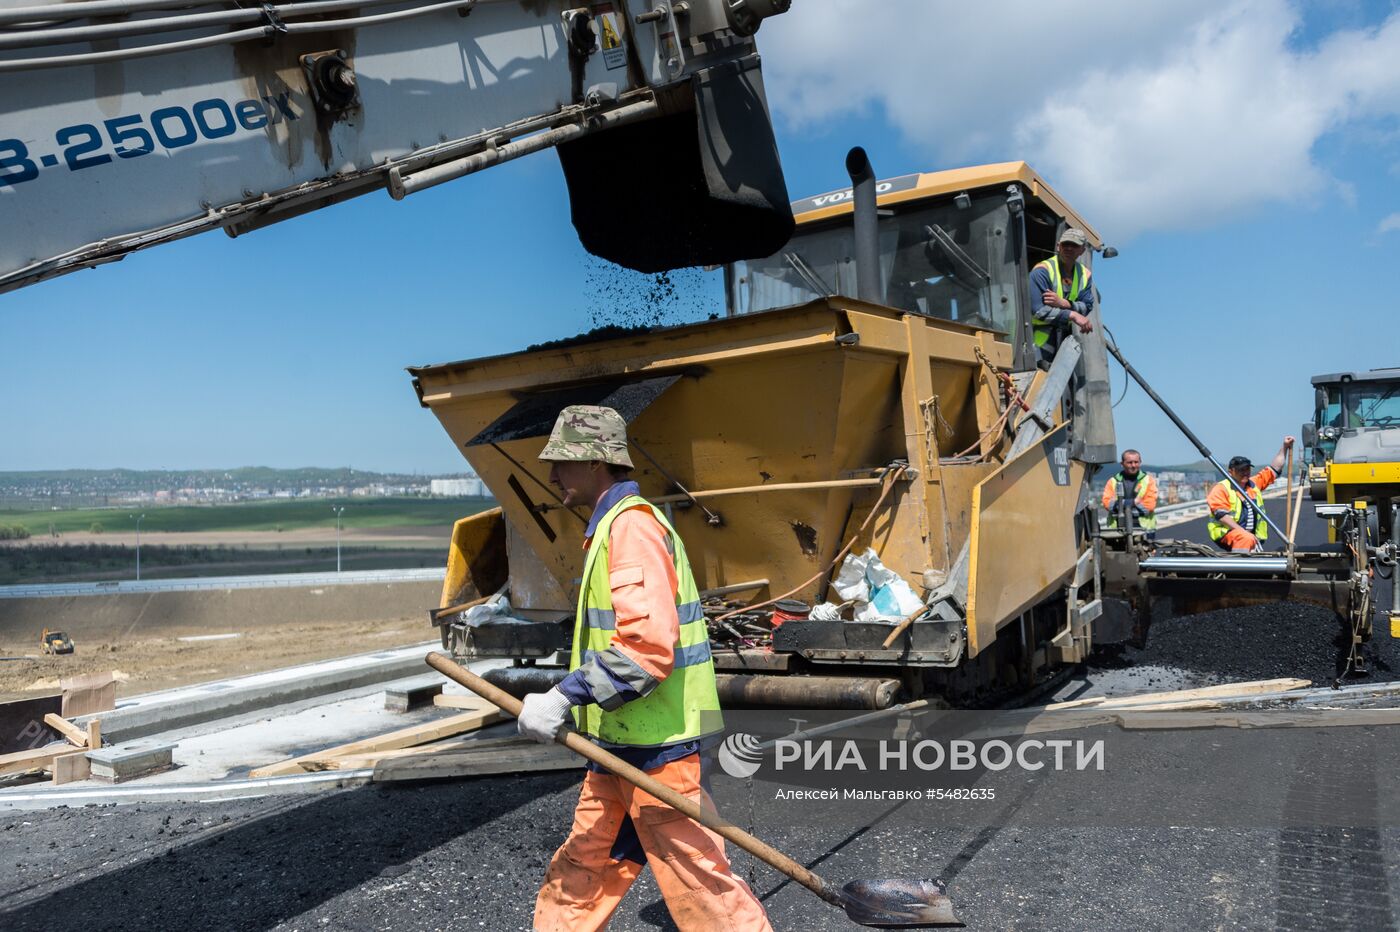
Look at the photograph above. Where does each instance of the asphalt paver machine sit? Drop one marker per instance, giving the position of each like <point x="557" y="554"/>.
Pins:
<point x="873" y="388"/>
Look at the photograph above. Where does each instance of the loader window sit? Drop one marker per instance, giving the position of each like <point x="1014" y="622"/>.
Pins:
<point x="937" y="259"/>
<point x="1330" y="415"/>
<point x="814" y="264"/>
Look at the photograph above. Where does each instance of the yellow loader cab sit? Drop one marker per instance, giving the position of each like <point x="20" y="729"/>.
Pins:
<point x="807" y="418"/>
<point x="1354" y="441"/>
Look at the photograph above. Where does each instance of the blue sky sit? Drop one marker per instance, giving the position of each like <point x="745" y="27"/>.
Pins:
<point x="1244" y="156"/>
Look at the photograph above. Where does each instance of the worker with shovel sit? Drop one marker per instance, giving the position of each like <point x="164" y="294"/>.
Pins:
<point x="642" y="685"/>
<point x="1236" y="523"/>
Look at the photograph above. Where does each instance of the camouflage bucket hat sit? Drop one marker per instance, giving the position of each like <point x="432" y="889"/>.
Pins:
<point x="584" y="433"/>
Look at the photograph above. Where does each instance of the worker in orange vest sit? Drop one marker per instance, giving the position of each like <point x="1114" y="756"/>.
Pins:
<point x="1237" y="522"/>
<point x="1136" y="486"/>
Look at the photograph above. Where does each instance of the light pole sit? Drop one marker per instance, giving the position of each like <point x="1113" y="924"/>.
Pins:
<point x="138" y="545"/>
<point x="338" y="512"/>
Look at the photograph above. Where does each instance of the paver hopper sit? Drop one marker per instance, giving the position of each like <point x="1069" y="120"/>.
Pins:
<point x="776" y="435"/>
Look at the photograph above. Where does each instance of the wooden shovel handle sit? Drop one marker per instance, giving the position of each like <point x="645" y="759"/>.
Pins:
<point x="617" y="766"/>
<point x="903" y="626"/>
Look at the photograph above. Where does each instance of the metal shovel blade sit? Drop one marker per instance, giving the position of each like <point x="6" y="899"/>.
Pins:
<point x="897" y="904"/>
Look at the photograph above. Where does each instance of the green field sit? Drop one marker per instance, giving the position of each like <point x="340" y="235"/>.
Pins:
<point x="278" y="515"/>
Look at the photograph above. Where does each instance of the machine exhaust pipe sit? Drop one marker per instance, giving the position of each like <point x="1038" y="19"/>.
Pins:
<point x="870" y="285"/>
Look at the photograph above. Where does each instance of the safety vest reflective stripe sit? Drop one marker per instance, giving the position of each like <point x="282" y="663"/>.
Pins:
<point x="1218" y="529"/>
<point x="604" y="619"/>
<point x="685" y="705"/>
<point x="685" y="656"/>
<point x="1080" y="278"/>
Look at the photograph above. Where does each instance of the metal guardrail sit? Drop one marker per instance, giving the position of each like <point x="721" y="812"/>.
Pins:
<point x="204" y="583"/>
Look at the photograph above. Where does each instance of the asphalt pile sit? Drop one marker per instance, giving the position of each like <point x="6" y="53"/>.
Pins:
<point x="1259" y="642"/>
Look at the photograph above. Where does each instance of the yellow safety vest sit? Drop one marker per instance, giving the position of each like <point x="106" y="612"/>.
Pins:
<point x="1077" y="284"/>
<point x="685" y="705"/>
<point x="1261" y="527"/>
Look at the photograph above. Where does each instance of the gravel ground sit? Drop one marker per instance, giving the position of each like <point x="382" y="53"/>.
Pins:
<point x="470" y="854"/>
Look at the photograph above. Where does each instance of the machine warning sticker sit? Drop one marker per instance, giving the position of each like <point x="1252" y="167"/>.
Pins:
<point x="610" y="37"/>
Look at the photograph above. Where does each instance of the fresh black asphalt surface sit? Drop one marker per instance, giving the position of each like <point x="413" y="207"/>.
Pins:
<point x="470" y="854"/>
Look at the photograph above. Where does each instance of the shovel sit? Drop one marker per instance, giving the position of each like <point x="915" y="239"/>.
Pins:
<point x="877" y="903"/>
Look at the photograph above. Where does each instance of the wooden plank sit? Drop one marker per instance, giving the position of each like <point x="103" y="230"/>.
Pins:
<point x="94" y="734"/>
<point x="1223" y="690"/>
<point x="1200" y="714"/>
<point x="1293" y="718"/>
<point x="37" y="759"/>
<point x="403" y="738"/>
<point x="331" y="762"/>
<point x="534" y="758"/>
<point x="459" y="701"/>
<point x="69" y="768"/>
<point x="360" y="761"/>
<point x="72" y="732"/>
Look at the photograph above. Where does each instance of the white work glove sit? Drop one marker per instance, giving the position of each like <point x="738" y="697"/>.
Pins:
<point x="543" y="714"/>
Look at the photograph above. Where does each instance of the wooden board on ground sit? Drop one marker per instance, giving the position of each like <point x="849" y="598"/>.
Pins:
<point x="331" y="762"/>
<point x="484" y="714"/>
<point x="78" y="736"/>
<point x="525" y="757"/>
<point x="360" y="761"/>
<point x="69" y="768"/>
<point x="1181" y="695"/>
<point x="37" y="759"/>
<point x="457" y="701"/>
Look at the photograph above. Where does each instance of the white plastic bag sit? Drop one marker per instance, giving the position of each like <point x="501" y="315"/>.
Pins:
<point x="827" y="611"/>
<point x="880" y="593"/>
<point x="850" y="581"/>
<point x="493" y="611"/>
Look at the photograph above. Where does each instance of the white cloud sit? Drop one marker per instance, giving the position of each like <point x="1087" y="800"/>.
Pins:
<point x="1389" y="224"/>
<point x="1146" y="116"/>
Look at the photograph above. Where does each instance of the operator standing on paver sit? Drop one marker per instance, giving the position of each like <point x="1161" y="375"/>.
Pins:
<point x="642" y="685"/>
<point x="1139" y="488"/>
<point x="1061" y="294"/>
<point x="1236" y="524"/>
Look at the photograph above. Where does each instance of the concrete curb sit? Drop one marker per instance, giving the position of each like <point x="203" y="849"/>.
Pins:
<point x="188" y="793"/>
<point x="153" y="713"/>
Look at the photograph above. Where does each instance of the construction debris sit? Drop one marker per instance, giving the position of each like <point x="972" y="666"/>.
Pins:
<point x="37" y="759"/>
<point x="484" y="714"/>
<point x="130" y="761"/>
<point x="482" y="758"/>
<point x="1186" y="695"/>
<point x="72" y="732"/>
<point x="408" y="696"/>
